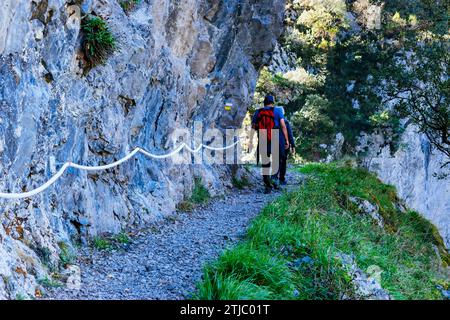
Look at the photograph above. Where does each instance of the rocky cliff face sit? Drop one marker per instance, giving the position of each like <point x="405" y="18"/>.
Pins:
<point x="177" y="61"/>
<point x="415" y="169"/>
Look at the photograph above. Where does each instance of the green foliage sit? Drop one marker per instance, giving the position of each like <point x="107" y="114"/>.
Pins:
<point x="200" y="194"/>
<point x="247" y="273"/>
<point x="128" y="5"/>
<point x="21" y="297"/>
<point x="98" y="41"/>
<point x="380" y="118"/>
<point x="122" y="238"/>
<point x="259" y="266"/>
<point x="219" y="286"/>
<point x="388" y="123"/>
<point x="109" y="242"/>
<point x="312" y="126"/>
<point x="320" y="21"/>
<point x="44" y="255"/>
<point x="350" y="67"/>
<point x="50" y="282"/>
<point x="346" y="182"/>
<point x="66" y="254"/>
<point x="265" y="85"/>
<point x="100" y="243"/>
<point x="419" y="86"/>
<point x="240" y="183"/>
<point x="318" y="222"/>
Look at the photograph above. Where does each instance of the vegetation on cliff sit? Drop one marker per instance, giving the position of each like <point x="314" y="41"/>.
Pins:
<point x="128" y="5"/>
<point x="98" y="41"/>
<point x="293" y="249"/>
<point x="360" y="66"/>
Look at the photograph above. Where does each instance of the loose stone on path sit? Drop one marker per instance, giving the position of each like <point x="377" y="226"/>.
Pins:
<point x="167" y="263"/>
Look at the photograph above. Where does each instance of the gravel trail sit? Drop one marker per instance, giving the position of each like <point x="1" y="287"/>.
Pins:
<point x="166" y="262"/>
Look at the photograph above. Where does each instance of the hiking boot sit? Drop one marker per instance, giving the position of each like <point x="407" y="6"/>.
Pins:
<point x="267" y="190"/>
<point x="276" y="185"/>
<point x="283" y="182"/>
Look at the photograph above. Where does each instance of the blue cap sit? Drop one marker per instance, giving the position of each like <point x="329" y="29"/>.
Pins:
<point x="269" y="100"/>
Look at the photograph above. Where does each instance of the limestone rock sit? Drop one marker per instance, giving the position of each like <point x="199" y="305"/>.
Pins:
<point x="177" y="61"/>
<point x="415" y="170"/>
<point x="367" y="285"/>
<point x="73" y="274"/>
<point x="368" y="208"/>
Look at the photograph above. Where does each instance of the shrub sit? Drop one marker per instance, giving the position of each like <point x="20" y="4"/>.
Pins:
<point x="122" y="238"/>
<point x="128" y="5"/>
<point x="240" y="183"/>
<point x="313" y="127"/>
<point x="66" y="254"/>
<point x="101" y="243"/>
<point x="98" y="41"/>
<point x="49" y="282"/>
<point x="200" y="194"/>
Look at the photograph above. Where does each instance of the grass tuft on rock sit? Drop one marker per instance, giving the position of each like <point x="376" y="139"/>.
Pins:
<point x="98" y="41"/>
<point x="111" y="242"/>
<point x="200" y="195"/>
<point x="291" y="250"/>
<point x="122" y="238"/>
<point x="240" y="183"/>
<point x="66" y="254"/>
<point x="48" y="282"/>
<point x="100" y="243"/>
<point x="128" y="5"/>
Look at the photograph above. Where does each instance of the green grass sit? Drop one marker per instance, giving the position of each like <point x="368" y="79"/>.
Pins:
<point x="66" y="254"/>
<point x="109" y="242"/>
<point x="317" y="222"/>
<point x="240" y="183"/>
<point x="50" y="282"/>
<point x="122" y="238"/>
<point x="100" y="243"/>
<point x="200" y="195"/>
<point x="128" y="5"/>
<point x="98" y="42"/>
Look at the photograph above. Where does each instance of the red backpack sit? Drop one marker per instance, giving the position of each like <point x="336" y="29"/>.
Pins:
<point x="266" y="121"/>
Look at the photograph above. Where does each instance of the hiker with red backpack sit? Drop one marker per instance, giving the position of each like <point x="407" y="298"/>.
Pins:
<point x="266" y="120"/>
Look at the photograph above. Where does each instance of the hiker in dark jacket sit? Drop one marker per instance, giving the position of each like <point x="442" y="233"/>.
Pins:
<point x="270" y="118"/>
<point x="283" y="156"/>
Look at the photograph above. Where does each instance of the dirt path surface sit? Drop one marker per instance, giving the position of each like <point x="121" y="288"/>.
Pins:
<point x="166" y="261"/>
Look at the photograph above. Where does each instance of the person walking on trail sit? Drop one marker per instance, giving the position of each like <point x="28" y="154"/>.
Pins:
<point x="265" y="121"/>
<point x="284" y="156"/>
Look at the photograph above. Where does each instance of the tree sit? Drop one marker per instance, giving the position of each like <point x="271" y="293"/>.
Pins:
<point x="348" y="52"/>
<point x="419" y="88"/>
<point x="313" y="127"/>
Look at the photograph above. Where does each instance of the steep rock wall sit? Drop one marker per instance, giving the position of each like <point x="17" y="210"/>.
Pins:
<point x="178" y="61"/>
<point x="415" y="169"/>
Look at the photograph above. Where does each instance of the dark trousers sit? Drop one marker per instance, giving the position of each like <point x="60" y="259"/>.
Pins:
<point x="267" y="178"/>
<point x="266" y="164"/>
<point x="283" y="167"/>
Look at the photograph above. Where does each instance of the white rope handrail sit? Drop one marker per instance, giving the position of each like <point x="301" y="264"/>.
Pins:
<point x="69" y="164"/>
